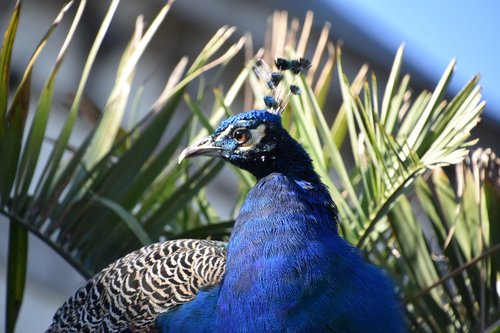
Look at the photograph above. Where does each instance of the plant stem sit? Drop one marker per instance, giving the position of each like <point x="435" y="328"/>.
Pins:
<point x="16" y="272"/>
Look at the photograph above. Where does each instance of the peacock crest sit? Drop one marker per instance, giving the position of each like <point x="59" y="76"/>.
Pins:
<point x="280" y="94"/>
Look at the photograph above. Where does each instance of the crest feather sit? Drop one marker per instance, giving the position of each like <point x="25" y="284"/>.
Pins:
<point x="277" y="100"/>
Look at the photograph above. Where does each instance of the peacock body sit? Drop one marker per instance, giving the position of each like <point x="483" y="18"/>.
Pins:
<point x="285" y="267"/>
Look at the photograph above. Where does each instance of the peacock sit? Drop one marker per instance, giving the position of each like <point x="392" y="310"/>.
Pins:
<point x="285" y="267"/>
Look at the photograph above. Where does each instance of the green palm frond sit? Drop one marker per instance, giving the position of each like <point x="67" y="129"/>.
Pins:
<point x="455" y="267"/>
<point x="117" y="190"/>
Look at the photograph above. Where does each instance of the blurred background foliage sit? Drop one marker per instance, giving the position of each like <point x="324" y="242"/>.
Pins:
<point x="435" y="231"/>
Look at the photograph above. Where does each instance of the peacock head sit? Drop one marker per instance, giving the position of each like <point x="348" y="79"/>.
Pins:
<point x="256" y="140"/>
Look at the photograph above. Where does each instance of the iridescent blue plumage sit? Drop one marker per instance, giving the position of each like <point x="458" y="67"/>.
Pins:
<point x="287" y="268"/>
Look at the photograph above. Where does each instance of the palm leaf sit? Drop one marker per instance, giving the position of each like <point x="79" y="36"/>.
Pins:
<point x="12" y="126"/>
<point x="91" y="200"/>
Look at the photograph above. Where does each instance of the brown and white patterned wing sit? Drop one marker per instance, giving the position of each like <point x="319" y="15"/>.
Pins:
<point x="131" y="292"/>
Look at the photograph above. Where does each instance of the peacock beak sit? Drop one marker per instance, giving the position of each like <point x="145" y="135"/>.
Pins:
<point x="205" y="147"/>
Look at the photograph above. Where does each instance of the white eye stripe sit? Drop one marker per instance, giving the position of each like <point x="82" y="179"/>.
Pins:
<point x="256" y="136"/>
<point x="225" y="133"/>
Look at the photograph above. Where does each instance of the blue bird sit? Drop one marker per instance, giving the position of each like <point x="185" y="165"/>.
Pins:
<point x="284" y="269"/>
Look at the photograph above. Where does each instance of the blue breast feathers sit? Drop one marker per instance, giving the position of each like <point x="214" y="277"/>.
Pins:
<point x="288" y="270"/>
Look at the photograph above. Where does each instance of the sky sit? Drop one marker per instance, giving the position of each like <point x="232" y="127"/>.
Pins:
<point x="435" y="32"/>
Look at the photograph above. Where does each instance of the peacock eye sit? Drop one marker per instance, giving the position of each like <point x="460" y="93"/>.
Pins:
<point x="241" y="135"/>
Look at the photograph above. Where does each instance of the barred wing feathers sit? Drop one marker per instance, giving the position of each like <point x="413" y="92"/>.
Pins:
<point x="131" y="292"/>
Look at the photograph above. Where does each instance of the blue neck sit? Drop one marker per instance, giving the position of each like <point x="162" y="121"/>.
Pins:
<point x="284" y="233"/>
